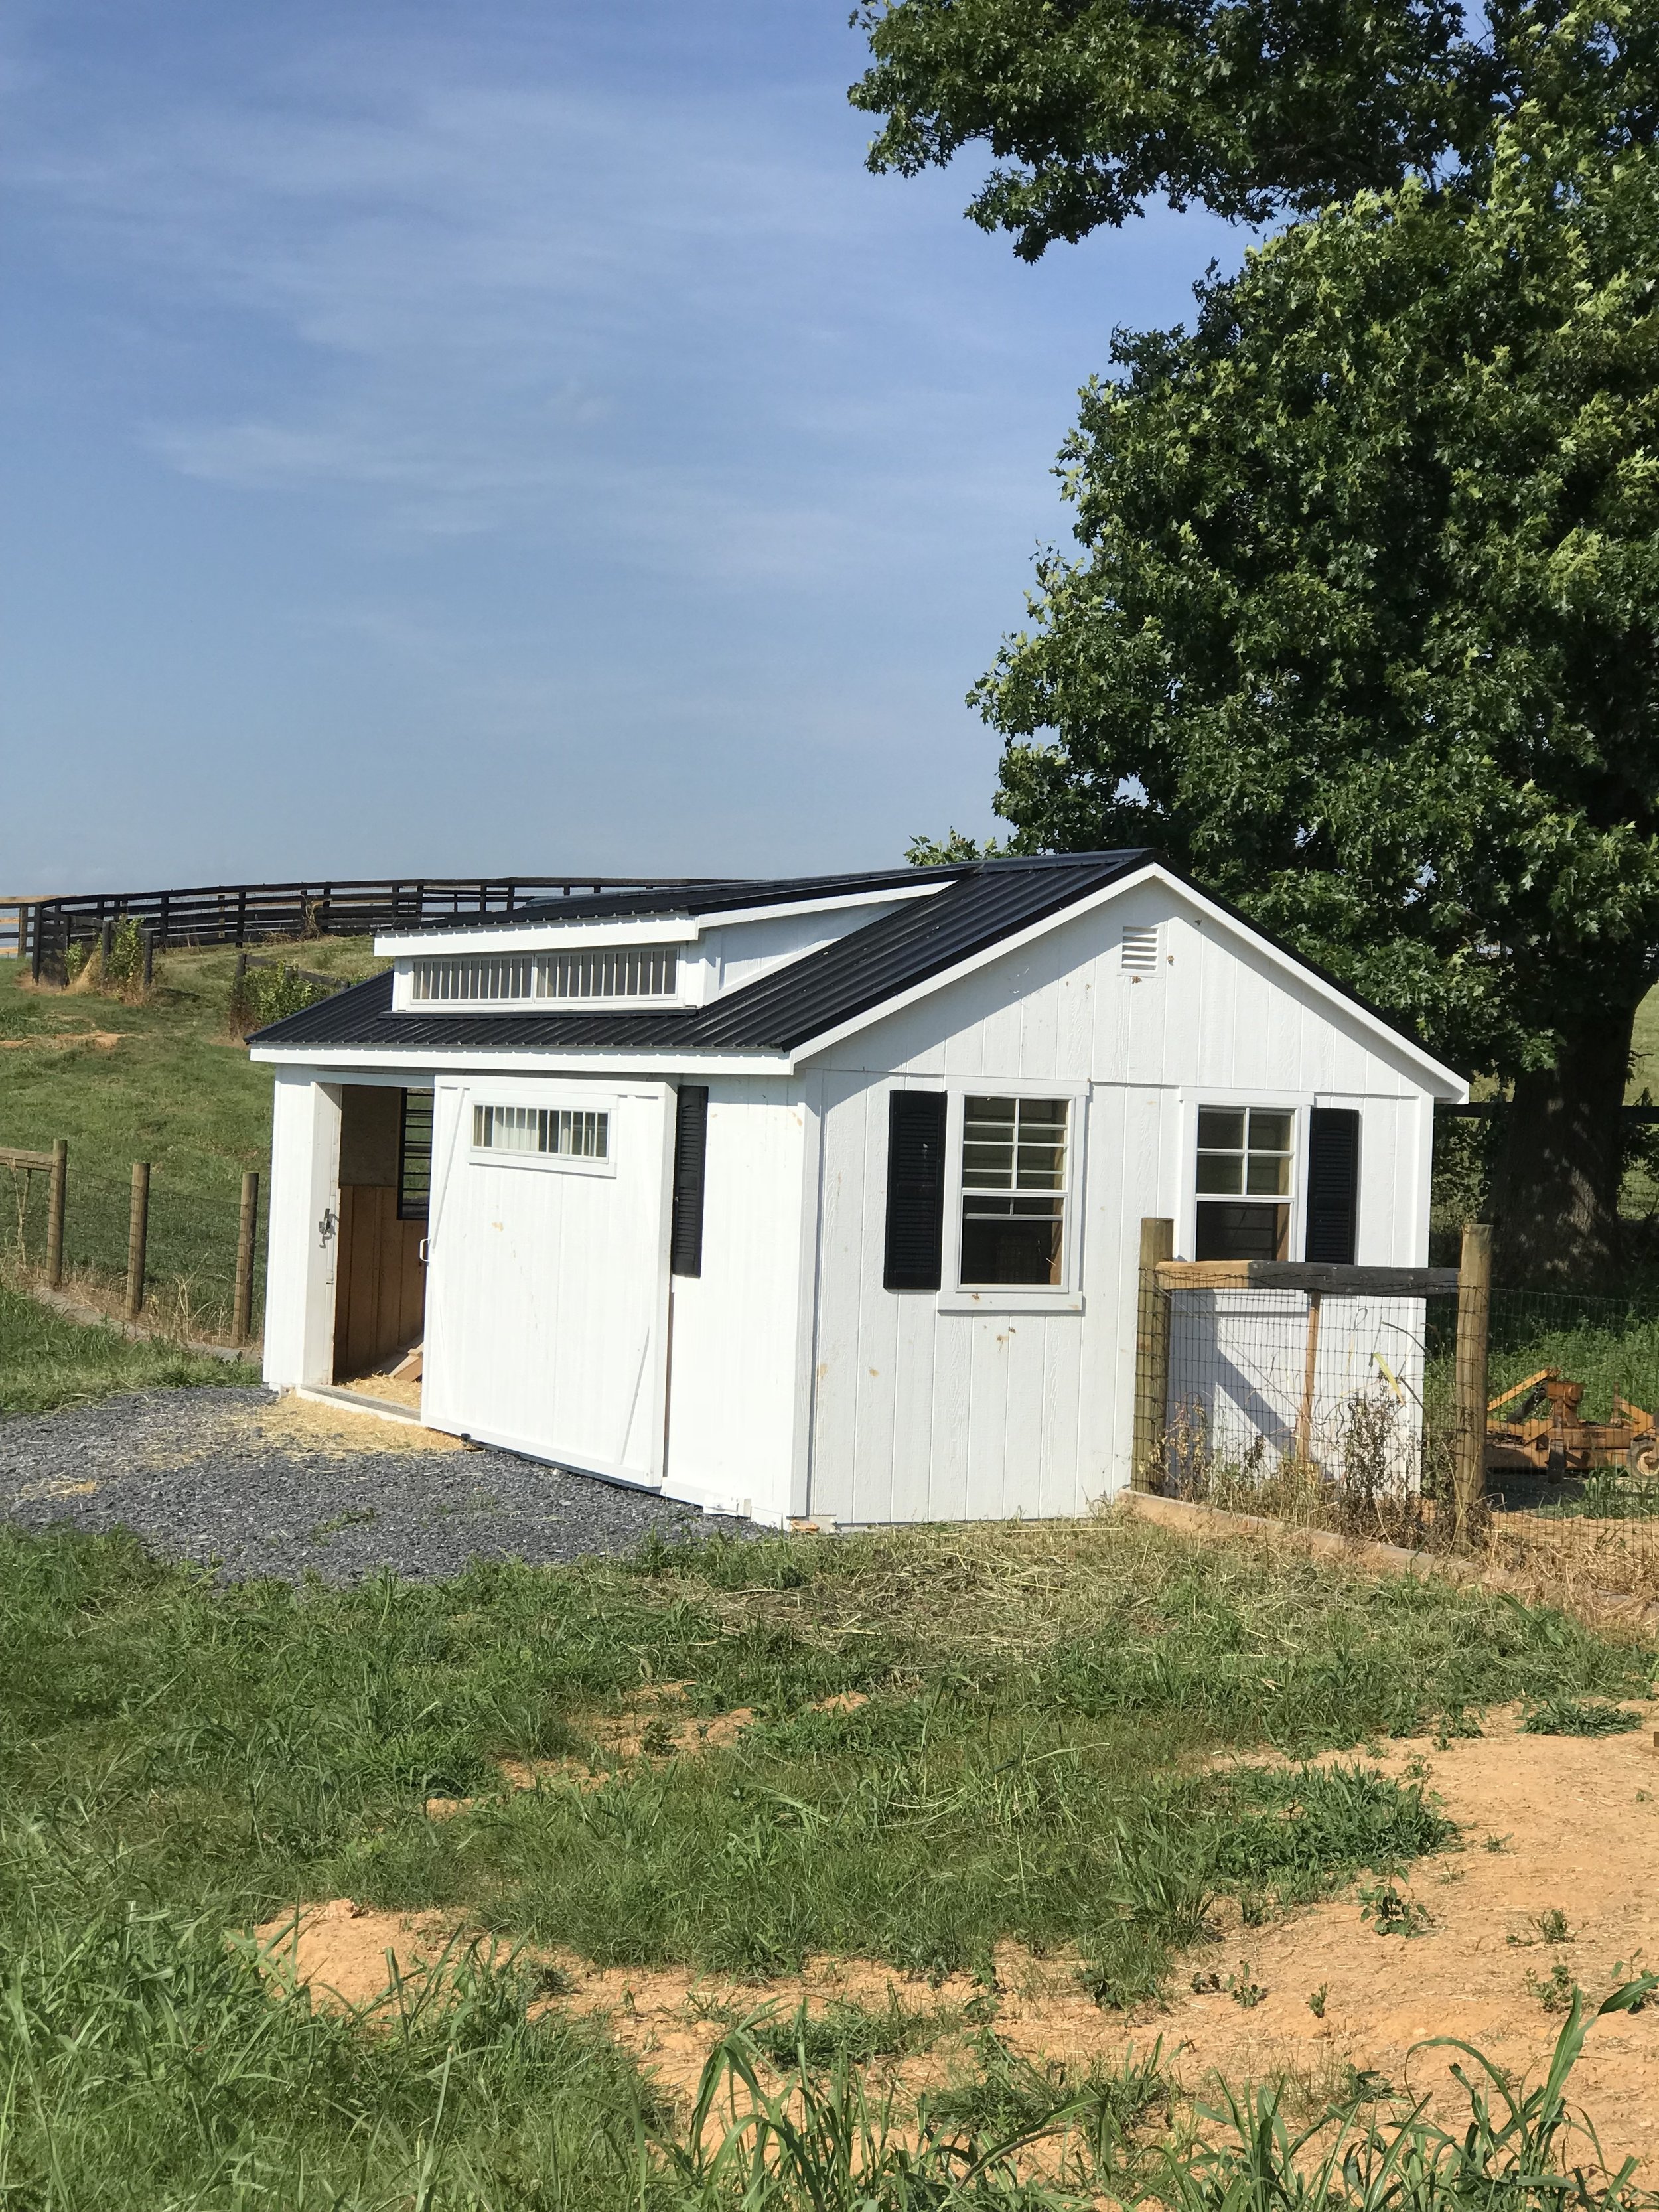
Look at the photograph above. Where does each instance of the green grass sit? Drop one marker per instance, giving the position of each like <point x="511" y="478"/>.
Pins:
<point x="1032" y="1761"/>
<point x="178" y="1090"/>
<point x="46" y="1361"/>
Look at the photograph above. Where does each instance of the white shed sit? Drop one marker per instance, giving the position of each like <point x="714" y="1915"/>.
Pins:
<point x="821" y="1198"/>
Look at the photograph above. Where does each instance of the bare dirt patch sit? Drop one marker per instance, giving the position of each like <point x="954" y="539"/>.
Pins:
<point x="669" y="2018"/>
<point x="100" y="1040"/>
<point x="1574" y="1821"/>
<point x="653" y="1728"/>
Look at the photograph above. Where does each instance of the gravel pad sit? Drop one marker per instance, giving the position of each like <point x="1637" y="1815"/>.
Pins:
<point x="193" y="1476"/>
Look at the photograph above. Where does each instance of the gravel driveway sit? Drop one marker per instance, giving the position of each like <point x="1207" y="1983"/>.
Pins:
<point x="250" y="1485"/>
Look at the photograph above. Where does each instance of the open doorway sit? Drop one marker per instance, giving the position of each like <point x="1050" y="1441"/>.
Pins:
<point x="386" y="1169"/>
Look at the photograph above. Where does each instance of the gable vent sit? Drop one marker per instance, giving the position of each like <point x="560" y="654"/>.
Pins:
<point x="1141" y="948"/>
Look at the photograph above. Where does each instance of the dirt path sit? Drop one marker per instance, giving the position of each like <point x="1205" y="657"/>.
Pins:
<point x="1578" y="1820"/>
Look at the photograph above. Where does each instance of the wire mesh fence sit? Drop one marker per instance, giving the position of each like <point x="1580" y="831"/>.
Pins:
<point x="1340" y="1412"/>
<point x="193" y="1221"/>
<point x="1324" y="1411"/>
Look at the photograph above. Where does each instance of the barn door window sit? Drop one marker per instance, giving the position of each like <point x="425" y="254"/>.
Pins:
<point x="1333" y="1212"/>
<point x="568" y="1137"/>
<point x="1014" y="1160"/>
<point x="915" y="1190"/>
<point x="1244" y="1157"/>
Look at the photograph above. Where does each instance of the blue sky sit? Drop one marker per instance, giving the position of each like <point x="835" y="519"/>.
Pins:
<point x="446" y="439"/>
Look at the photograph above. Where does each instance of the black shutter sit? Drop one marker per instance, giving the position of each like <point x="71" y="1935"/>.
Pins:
<point x="916" y="1189"/>
<point x="1333" y="1185"/>
<point x="690" y="1151"/>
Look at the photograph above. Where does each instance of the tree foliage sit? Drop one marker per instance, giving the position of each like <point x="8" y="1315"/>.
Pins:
<point x="1366" y="618"/>
<point x="1363" y="623"/>
<point x="1252" y="107"/>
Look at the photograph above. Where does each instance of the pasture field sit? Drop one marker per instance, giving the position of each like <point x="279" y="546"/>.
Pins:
<point x="164" y="1081"/>
<point x="47" y="1361"/>
<point x="726" y="1760"/>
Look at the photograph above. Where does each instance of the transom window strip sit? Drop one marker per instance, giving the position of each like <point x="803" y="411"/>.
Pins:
<point x="622" y="972"/>
<point x="1013" y="1190"/>
<point x="475" y="975"/>
<point x="631" y="971"/>
<point x="569" y="1132"/>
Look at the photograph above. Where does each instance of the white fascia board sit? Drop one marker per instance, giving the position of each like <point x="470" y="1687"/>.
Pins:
<point x="539" y="936"/>
<point x="1442" y="1081"/>
<point x="463" y="1060"/>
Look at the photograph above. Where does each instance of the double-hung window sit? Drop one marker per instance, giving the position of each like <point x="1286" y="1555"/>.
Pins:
<point x="1015" y="1162"/>
<point x="1244" y="1182"/>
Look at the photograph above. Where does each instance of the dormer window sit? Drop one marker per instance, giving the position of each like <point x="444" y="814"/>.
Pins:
<point x="608" y="973"/>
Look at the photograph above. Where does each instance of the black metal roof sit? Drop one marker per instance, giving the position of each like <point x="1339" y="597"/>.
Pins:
<point x="978" y="903"/>
<point x="695" y="895"/>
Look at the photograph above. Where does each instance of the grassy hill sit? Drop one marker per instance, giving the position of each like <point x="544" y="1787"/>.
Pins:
<point x="167" y="1081"/>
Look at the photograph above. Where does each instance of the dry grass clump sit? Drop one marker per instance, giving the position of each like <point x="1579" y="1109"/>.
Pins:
<point x="1586" y="1565"/>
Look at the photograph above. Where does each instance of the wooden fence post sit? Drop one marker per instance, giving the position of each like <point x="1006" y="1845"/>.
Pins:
<point x="137" y="1238"/>
<point x="247" y="1228"/>
<point x="150" y="955"/>
<point x="1152" y="1353"/>
<point x="1473" y="1324"/>
<point x="57" y="1192"/>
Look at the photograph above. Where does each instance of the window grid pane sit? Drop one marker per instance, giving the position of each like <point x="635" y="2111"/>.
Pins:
<point x="1243" y="1152"/>
<point x="1011" y="1147"/>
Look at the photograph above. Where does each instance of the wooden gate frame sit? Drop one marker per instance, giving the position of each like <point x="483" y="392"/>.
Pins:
<point x="1160" y="1274"/>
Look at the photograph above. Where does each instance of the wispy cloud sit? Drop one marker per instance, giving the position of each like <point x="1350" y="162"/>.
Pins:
<point x="478" y="283"/>
<point x="562" y="386"/>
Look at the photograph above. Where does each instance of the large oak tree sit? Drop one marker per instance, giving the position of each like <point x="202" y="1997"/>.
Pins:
<point x="1363" y="622"/>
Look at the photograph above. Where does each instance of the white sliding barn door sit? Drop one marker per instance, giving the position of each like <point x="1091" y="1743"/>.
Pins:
<point x="547" y="1295"/>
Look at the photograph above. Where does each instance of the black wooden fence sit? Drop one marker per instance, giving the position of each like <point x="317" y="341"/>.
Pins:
<point x="246" y="914"/>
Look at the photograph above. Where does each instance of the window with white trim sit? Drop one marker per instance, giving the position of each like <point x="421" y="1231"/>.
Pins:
<point x="1244" y="1182"/>
<point x="1015" y="1157"/>
<point x="557" y="1133"/>
<point x="617" y="971"/>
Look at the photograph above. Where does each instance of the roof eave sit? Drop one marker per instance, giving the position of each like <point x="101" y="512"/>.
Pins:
<point x="541" y="1060"/>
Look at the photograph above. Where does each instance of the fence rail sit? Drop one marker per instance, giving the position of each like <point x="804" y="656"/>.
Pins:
<point x="1271" y="1367"/>
<point x="1415" y="1405"/>
<point x="243" y="913"/>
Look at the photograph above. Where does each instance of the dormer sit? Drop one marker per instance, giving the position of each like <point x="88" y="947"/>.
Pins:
<point x="582" y="967"/>
<point x="622" y="964"/>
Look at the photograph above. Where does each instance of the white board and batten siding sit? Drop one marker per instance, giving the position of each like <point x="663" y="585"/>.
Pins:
<point x="740" y="1332"/>
<point x="547" y="1295"/>
<point x="941" y="1406"/>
